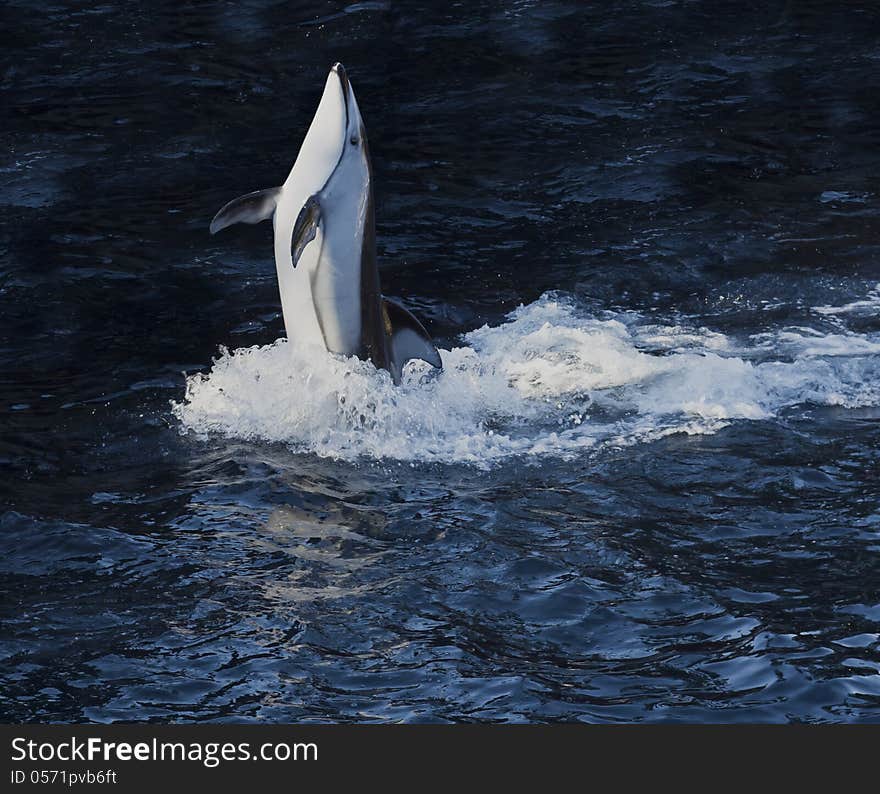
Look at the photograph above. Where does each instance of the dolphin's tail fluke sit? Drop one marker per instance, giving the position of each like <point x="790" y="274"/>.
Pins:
<point x="408" y="338"/>
<point x="250" y="208"/>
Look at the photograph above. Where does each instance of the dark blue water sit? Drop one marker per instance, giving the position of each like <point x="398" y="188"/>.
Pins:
<point x="656" y="498"/>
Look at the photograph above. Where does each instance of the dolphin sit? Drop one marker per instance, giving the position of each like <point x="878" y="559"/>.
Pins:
<point x="325" y="243"/>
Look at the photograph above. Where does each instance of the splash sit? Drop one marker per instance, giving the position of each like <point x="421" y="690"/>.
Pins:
<point x="549" y="381"/>
<point x="870" y="305"/>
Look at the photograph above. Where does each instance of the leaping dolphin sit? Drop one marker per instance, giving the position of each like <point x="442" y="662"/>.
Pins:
<point x="325" y="242"/>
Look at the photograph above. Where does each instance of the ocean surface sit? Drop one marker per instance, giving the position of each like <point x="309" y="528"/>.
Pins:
<point x="646" y="485"/>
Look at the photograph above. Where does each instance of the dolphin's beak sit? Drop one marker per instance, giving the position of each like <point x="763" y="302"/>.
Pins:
<point x="339" y="70"/>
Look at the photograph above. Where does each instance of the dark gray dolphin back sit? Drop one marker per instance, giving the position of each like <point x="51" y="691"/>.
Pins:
<point x="375" y="345"/>
<point x="390" y="335"/>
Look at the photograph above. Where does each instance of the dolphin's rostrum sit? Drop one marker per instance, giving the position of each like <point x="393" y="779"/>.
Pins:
<point x="325" y="242"/>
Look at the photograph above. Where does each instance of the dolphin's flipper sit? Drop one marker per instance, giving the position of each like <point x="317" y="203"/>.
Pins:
<point x="306" y="227"/>
<point x="408" y="339"/>
<point x="250" y="208"/>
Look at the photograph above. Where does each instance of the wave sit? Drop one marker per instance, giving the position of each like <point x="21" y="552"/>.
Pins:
<point x="551" y="380"/>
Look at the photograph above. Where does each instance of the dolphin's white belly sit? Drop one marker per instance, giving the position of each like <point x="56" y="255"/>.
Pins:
<point x="336" y="282"/>
<point x="325" y="282"/>
<point x="336" y="289"/>
<point x="321" y="296"/>
<point x="315" y="162"/>
<point x="294" y="284"/>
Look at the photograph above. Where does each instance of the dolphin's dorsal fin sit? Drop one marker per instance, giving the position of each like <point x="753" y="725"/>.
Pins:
<point x="250" y="208"/>
<point x="407" y="339"/>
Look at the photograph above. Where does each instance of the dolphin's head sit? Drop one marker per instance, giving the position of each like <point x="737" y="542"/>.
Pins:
<point x="354" y="144"/>
<point x="354" y="124"/>
<point x="354" y="158"/>
<point x="350" y="176"/>
<point x="336" y="130"/>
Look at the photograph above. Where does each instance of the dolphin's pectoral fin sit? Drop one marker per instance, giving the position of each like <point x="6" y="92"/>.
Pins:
<point x="408" y="339"/>
<point x="250" y="208"/>
<point x="310" y="225"/>
<point x="306" y="227"/>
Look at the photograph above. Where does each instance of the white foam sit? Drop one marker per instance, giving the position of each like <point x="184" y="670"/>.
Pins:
<point x="549" y="381"/>
<point x="869" y="305"/>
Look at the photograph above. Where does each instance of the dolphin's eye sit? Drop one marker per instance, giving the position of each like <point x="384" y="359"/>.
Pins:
<point x="355" y="140"/>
